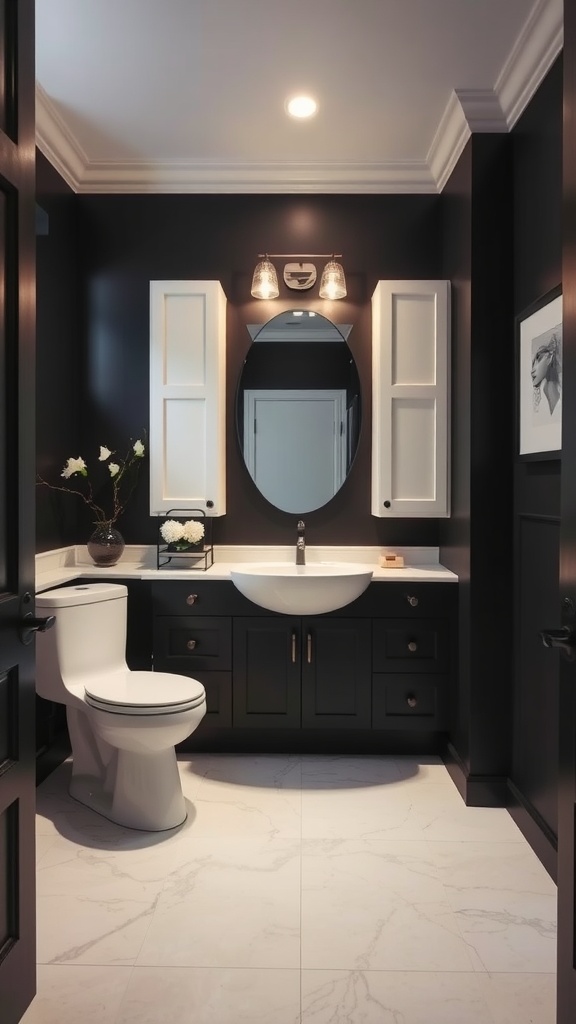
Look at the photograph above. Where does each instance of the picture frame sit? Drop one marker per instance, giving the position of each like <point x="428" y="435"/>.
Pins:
<point x="539" y="378"/>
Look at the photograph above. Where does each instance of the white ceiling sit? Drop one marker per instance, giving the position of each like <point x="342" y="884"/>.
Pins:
<point x="188" y="95"/>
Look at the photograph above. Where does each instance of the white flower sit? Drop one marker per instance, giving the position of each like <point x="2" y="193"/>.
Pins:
<point x="171" y="531"/>
<point x="138" y="449"/>
<point x="74" y="466"/>
<point x="192" y="531"/>
<point x="105" y="453"/>
<point x="114" y="468"/>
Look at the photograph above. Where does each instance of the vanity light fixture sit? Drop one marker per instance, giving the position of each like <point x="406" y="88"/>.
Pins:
<point x="265" y="280"/>
<point x="300" y="276"/>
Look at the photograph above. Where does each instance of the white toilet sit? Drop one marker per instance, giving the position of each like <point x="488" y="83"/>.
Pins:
<point x="123" y="725"/>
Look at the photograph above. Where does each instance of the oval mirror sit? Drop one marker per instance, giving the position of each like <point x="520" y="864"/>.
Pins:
<point x="298" y="409"/>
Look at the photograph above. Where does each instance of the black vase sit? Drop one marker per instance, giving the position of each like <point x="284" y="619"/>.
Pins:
<point x="105" y="545"/>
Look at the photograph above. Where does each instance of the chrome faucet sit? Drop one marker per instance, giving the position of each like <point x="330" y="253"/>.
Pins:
<point x="300" y="544"/>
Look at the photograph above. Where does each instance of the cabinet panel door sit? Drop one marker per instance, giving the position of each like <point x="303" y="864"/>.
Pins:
<point x="218" y="686"/>
<point x="266" y="673"/>
<point x="410" y="390"/>
<point x="336" y="673"/>
<point x="187" y="396"/>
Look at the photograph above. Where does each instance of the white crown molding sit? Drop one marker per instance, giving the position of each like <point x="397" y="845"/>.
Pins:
<point x="467" y="111"/>
<point x="56" y="141"/>
<point x="532" y="55"/>
<point x="148" y="176"/>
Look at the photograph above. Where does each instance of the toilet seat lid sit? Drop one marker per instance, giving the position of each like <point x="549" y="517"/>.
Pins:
<point x="145" y="692"/>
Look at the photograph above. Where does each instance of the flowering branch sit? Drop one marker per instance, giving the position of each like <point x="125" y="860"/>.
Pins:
<point x="123" y="475"/>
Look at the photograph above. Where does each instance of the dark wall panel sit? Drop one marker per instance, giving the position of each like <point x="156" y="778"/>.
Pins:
<point x="59" y="351"/>
<point x="537" y="175"/>
<point x="125" y="241"/>
<point x="535" y="755"/>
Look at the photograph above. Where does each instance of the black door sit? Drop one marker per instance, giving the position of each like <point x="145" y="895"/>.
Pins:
<point x="567" y="788"/>
<point x="17" y="496"/>
<point x="266" y="672"/>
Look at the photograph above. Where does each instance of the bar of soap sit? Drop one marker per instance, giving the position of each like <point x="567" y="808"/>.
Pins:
<point x="391" y="561"/>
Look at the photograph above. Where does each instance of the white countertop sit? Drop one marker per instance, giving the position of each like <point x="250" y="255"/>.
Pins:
<point x="139" y="562"/>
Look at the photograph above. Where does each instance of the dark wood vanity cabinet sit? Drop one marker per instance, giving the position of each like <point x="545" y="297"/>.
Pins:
<point x="310" y="673"/>
<point x="383" y="663"/>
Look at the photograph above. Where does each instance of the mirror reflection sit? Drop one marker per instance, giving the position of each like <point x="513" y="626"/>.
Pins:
<point x="298" y="409"/>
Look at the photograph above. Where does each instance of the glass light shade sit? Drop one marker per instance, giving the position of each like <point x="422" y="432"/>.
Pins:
<point x="265" y="281"/>
<point x="333" y="283"/>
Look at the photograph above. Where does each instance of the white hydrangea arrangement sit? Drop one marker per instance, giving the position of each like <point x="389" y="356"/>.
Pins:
<point x="182" y="534"/>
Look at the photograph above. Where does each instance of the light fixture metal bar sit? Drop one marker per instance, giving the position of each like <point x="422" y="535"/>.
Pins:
<point x="299" y="255"/>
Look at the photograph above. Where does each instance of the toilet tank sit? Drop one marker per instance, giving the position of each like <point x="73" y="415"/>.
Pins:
<point x="90" y="631"/>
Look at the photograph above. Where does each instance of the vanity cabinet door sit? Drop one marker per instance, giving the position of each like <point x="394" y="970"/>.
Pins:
<point x="336" y="673"/>
<point x="266" y="672"/>
<point x="410" y="399"/>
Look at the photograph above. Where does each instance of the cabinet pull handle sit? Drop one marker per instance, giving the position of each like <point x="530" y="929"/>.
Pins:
<point x="411" y="700"/>
<point x="293" y="648"/>
<point x="412" y="601"/>
<point x="412" y="646"/>
<point x="192" y="598"/>
<point x="309" y="647"/>
<point x="192" y="644"/>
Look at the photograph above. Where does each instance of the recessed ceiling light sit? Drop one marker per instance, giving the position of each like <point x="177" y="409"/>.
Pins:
<point x="301" y="106"/>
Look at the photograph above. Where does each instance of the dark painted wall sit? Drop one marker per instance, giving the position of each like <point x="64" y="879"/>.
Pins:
<point x="59" y="352"/>
<point x="476" y="541"/>
<point x="126" y="241"/>
<point x="537" y="169"/>
<point x="502" y="249"/>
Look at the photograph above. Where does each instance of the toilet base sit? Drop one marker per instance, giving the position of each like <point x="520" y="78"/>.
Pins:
<point x="146" y="793"/>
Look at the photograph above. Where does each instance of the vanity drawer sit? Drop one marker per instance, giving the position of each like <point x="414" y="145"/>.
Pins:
<point x="198" y="597"/>
<point x="411" y="600"/>
<point x="400" y="645"/>
<point x="400" y="702"/>
<point x="183" y="644"/>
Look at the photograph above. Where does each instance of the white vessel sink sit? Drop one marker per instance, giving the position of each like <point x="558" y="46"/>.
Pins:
<point x="301" y="589"/>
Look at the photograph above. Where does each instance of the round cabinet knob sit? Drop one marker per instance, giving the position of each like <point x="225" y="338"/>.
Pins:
<point x="209" y="504"/>
<point x="387" y="504"/>
<point x="191" y="644"/>
<point x="411" y="700"/>
<point x="412" y="646"/>
<point x="412" y="601"/>
<point x="192" y="598"/>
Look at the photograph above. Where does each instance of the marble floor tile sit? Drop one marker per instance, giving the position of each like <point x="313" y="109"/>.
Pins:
<point x="180" y="995"/>
<point x="431" y="811"/>
<point x="377" y="906"/>
<point x="520" y="998"/>
<point x="392" y="997"/>
<point x="261" y="771"/>
<point x="83" y="930"/>
<point x="234" y="903"/>
<point x="364" y="879"/>
<point x="505" y="904"/>
<point x="72" y="994"/>
<point x="348" y="773"/>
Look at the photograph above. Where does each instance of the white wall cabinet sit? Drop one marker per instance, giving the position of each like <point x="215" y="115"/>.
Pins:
<point x="410" y="399"/>
<point x="187" y="396"/>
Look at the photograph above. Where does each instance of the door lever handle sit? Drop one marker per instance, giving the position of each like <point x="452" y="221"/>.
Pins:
<point x="564" y="639"/>
<point x="30" y="625"/>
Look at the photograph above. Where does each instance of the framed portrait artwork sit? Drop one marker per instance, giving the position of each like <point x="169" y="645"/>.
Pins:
<point x="539" y="370"/>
